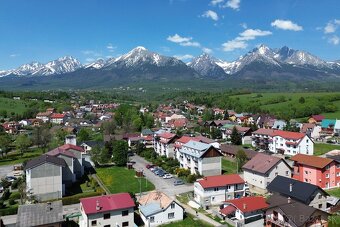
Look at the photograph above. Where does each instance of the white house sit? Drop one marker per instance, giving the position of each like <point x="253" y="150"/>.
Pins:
<point x="57" y="118"/>
<point x="45" y="117"/>
<point x="337" y="127"/>
<point x="200" y="158"/>
<point x="107" y="210"/>
<point x="312" y="130"/>
<point x="163" y="144"/>
<point x="262" y="169"/>
<point x="213" y="190"/>
<point x="156" y="208"/>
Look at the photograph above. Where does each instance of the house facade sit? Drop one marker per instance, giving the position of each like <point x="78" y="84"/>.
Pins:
<point x="262" y="169"/>
<point x="163" y="144"/>
<point x="56" y="118"/>
<point x="245" y="132"/>
<point x="107" y="210"/>
<point x="213" y="190"/>
<point x="200" y="158"/>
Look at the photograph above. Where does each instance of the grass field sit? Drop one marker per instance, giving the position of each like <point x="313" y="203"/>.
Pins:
<point x="322" y="148"/>
<point x="334" y="192"/>
<point x="189" y="221"/>
<point x="16" y="158"/>
<point x="120" y="179"/>
<point x="10" y="105"/>
<point x="228" y="167"/>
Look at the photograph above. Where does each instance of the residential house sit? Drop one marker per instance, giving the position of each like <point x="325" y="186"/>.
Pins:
<point x="57" y="118"/>
<point x="322" y="172"/>
<point x="245" y="132"/>
<point x="316" y="119"/>
<point x="262" y="169"/>
<point x="24" y="122"/>
<point x="218" y="112"/>
<point x="44" y="116"/>
<point x="40" y="214"/>
<point x="89" y="145"/>
<point x="44" y="177"/>
<point x="77" y="151"/>
<point x="200" y="158"/>
<point x="216" y="124"/>
<point x="287" y="212"/>
<point x="164" y="144"/>
<point x="178" y="123"/>
<point x="327" y="126"/>
<point x="279" y="124"/>
<point x="245" y="210"/>
<point x="231" y="151"/>
<point x="337" y="128"/>
<point x="213" y="190"/>
<point x="11" y="127"/>
<point x="305" y="193"/>
<point x="312" y="130"/>
<point x="156" y="208"/>
<point x="174" y="117"/>
<point x="180" y="142"/>
<point x="282" y="142"/>
<point x="107" y="210"/>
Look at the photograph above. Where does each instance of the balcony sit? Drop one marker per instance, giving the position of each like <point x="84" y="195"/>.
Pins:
<point x="276" y="221"/>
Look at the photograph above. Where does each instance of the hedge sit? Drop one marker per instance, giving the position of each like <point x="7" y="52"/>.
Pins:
<point x="9" y="211"/>
<point x="75" y="198"/>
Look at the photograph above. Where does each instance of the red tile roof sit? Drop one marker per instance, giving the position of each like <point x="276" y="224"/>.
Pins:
<point x="71" y="146"/>
<point x="228" y="210"/>
<point x="289" y="135"/>
<point x="56" y="115"/>
<point x="311" y="160"/>
<point x="107" y="203"/>
<point x="264" y="131"/>
<point x="248" y="204"/>
<point x="185" y="139"/>
<point x="318" y="118"/>
<point x="306" y="126"/>
<point x="167" y="135"/>
<point x="220" y="180"/>
<point x="58" y="150"/>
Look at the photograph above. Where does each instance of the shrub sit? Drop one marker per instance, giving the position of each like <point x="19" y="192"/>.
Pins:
<point x="11" y="202"/>
<point x="15" y="195"/>
<point x="9" y="211"/>
<point x="6" y="194"/>
<point x="182" y="172"/>
<point x="75" y="198"/>
<point x="1" y="204"/>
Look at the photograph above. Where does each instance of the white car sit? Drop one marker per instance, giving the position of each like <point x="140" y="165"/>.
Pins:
<point x="167" y="176"/>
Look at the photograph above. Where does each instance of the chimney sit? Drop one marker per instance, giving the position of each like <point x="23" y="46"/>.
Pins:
<point x="289" y="200"/>
<point x="71" y="139"/>
<point x="48" y="206"/>
<point x="97" y="206"/>
<point x="290" y="187"/>
<point x="244" y="206"/>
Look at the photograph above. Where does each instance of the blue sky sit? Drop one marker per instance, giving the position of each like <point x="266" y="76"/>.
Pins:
<point x="43" y="30"/>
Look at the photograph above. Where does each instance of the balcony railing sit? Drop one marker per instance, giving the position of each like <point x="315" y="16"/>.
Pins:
<point x="276" y="221"/>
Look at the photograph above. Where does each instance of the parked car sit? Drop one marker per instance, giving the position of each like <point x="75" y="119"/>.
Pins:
<point x="149" y="166"/>
<point x="161" y="174"/>
<point x="178" y="182"/>
<point x="167" y="176"/>
<point x="10" y="178"/>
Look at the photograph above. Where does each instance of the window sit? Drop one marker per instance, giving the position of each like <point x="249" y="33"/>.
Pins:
<point x="125" y="213"/>
<point x="216" y="189"/>
<point x="172" y="205"/>
<point x="320" y="196"/>
<point x="320" y="206"/>
<point x="338" y="174"/>
<point x="306" y="172"/>
<point x="94" y="223"/>
<point x="287" y="173"/>
<point x="126" y="223"/>
<point x="107" y="225"/>
<point x="171" y="215"/>
<point x="152" y="219"/>
<point x="327" y="167"/>
<point x="327" y="175"/>
<point x="107" y="216"/>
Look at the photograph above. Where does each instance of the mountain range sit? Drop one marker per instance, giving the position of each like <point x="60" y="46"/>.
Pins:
<point x="260" y="64"/>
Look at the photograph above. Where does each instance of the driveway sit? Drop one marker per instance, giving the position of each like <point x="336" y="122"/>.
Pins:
<point x="6" y="170"/>
<point x="163" y="185"/>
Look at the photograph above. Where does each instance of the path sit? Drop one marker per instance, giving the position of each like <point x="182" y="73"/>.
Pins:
<point x="101" y="184"/>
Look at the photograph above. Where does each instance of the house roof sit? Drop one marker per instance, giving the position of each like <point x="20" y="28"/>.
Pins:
<point x="185" y="139"/>
<point x="204" y="139"/>
<point x="57" y="115"/>
<point x="107" y="203"/>
<point x="40" y="214"/>
<point x="228" y="210"/>
<point x="220" y="180"/>
<point x="233" y="149"/>
<point x="150" y="209"/>
<point x="261" y="163"/>
<point x="167" y="135"/>
<point x="45" y="158"/>
<point x="301" y="191"/>
<point x="248" y="204"/>
<point x="264" y="131"/>
<point x="310" y="160"/>
<point x="57" y="151"/>
<point x="325" y="123"/>
<point x="71" y="146"/>
<point x="318" y="118"/>
<point x="147" y="131"/>
<point x="156" y="197"/>
<point x="307" y="126"/>
<point x="197" y="145"/>
<point x="289" y="135"/>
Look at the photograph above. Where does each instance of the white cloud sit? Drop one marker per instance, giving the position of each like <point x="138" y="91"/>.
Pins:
<point x="207" y="50"/>
<point x="240" y="42"/>
<point x="244" y="25"/>
<point x="216" y="2"/>
<point x="89" y="59"/>
<point x="91" y="52"/>
<point x="165" y="49"/>
<point x="251" y="34"/>
<point x="331" y="26"/>
<point x="335" y="40"/>
<point x="210" y="14"/>
<point x="183" y="41"/>
<point x="234" y="4"/>
<point x="286" y="25"/>
<point x="110" y="47"/>
<point x="14" y="55"/>
<point x="184" y="57"/>
<point x="234" y="44"/>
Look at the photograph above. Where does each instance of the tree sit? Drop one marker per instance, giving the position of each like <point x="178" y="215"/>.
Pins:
<point x="216" y="133"/>
<point x="120" y="152"/>
<point x="235" y="137"/>
<point x="140" y="147"/>
<point x="100" y="155"/>
<point x="83" y="135"/>
<point x="109" y="127"/>
<point x="41" y="136"/>
<point x="5" y="142"/>
<point x="241" y="158"/>
<point x="22" y="143"/>
<point x="301" y="100"/>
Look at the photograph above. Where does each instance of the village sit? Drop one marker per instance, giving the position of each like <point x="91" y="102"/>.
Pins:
<point x="176" y="164"/>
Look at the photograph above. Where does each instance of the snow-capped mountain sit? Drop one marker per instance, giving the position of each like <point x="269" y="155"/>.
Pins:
<point x="98" y="64"/>
<point x="207" y="66"/>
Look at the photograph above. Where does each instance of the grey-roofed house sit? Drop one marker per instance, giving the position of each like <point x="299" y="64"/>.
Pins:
<point x="147" y="132"/>
<point x="305" y="193"/>
<point x="44" y="177"/>
<point x="200" y="158"/>
<point x="231" y="151"/>
<point x="262" y="169"/>
<point x="89" y="145"/>
<point x="283" y="211"/>
<point x="40" y="214"/>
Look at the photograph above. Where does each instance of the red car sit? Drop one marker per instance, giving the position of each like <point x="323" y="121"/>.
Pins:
<point x="148" y="166"/>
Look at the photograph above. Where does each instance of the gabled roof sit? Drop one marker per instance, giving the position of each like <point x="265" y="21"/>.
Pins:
<point x="185" y="139"/>
<point x="167" y="135"/>
<point x="197" y="145"/>
<point x="301" y="191"/>
<point x="248" y="204"/>
<point x="58" y="151"/>
<point x="146" y="132"/>
<point x="289" y="135"/>
<point x="204" y="139"/>
<point x="307" y="126"/>
<point x="220" y="180"/>
<point x="318" y="118"/>
<point x="261" y="163"/>
<point x="310" y="160"/>
<point x="56" y="115"/>
<point x="71" y="146"/>
<point x="233" y="149"/>
<point x="107" y="203"/>
<point x="156" y="197"/>
<point x="264" y="131"/>
<point x="45" y="158"/>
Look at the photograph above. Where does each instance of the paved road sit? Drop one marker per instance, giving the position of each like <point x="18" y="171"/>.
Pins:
<point x="6" y="170"/>
<point x="164" y="185"/>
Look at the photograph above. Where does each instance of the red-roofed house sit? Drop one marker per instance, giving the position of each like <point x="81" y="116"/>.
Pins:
<point x="107" y="210"/>
<point x="57" y="118"/>
<point x="164" y="144"/>
<point x="77" y="151"/>
<point x="180" y="142"/>
<point x="245" y="210"/>
<point x="213" y="190"/>
<point x="283" y="142"/>
<point x="316" y="119"/>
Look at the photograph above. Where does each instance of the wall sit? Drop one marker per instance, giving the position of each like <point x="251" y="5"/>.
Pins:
<point x="210" y="166"/>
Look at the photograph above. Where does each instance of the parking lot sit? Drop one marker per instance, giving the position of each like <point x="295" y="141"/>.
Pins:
<point x="165" y="185"/>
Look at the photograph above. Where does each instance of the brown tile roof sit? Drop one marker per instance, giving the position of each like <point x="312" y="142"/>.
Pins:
<point x="233" y="149"/>
<point x="312" y="161"/>
<point x="306" y="126"/>
<point x="156" y="197"/>
<point x="264" y="131"/>
<point x="261" y="163"/>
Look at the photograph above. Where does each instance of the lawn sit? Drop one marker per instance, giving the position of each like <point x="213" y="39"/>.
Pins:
<point x="120" y="179"/>
<point x="228" y="167"/>
<point x="322" y="148"/>
<point x="16" y="158"/>
<point x="188" y="221"/>
<point x="334" y="192"/>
